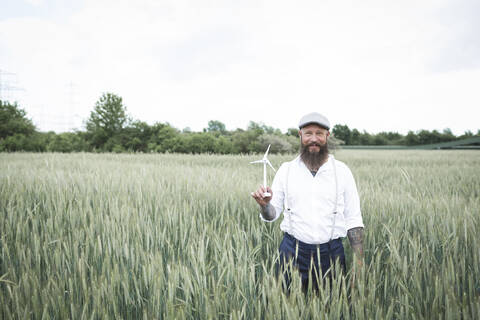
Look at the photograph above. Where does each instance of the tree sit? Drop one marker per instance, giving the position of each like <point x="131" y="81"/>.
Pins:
<point x="13" y="120"/>
<point x="260" y="128"/>
<point x="61" y="142"/>
<point x="200" y="142"/>
<point x="216" y="126"/>
<point x="365" y="138"/>
<point x="223" y="145"/>
<point x="380" y="140"/>
<point x="164" y="138"/>
<point x="279" y="144"/>
<point x="107" y="120"/>
<point x="427" y="137"/>
<point x="255" y="127"/>
<point x="467" y="134"/>
<point x="242" y="140"/>
<point x="411" y="139"/>
<point x="447" y="135"/>
<point x="342" y="132"/>
<point x="135" y="137"/>
<point x="292" y="132"/>
<point x="355" y="137"/>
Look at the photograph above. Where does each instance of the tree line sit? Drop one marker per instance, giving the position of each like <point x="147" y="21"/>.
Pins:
<point x="110" y="129"/>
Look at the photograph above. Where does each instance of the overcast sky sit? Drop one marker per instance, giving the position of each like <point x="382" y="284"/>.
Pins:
<point x="374" y="65"/>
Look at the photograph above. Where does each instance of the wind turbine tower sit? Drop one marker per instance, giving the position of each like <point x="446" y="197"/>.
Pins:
<point x="265" y="161"/>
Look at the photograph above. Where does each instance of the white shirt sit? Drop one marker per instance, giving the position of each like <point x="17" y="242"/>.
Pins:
<point x="312" y="201"/>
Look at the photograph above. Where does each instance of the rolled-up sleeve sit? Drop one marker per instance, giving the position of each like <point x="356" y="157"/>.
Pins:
<point x="278" y="192"/>
<point x="352" y="213"/>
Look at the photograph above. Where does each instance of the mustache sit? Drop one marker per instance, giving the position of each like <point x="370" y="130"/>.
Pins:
<point x="316" y="144"/>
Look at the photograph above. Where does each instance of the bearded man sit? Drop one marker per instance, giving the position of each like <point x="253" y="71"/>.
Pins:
<point x="320" y="204"/>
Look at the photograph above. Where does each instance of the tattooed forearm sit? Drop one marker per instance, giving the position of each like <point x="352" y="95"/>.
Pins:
<point x="268" y="212"/>
<point x="355" y="235"/>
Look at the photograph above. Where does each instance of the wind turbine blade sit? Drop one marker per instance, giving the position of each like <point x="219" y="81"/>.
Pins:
<point x="265" y="156"/>
<point x="271" y="166"/>
<point x="257" y="161"/>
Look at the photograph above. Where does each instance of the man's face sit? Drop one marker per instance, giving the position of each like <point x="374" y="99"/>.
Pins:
<point x="313" y="137"/>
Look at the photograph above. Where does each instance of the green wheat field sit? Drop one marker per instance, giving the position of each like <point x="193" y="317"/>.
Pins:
<point x="149" y="236"/>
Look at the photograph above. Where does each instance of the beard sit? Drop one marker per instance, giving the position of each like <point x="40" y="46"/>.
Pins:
<point x="313" y="159"/>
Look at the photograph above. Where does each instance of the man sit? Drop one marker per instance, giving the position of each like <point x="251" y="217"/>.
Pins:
<point x="320" y="204"/>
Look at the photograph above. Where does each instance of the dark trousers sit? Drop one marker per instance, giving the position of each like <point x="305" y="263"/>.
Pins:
<point x="306" y="260"/>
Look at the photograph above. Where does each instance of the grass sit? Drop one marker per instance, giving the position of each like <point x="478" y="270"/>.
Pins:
<point x="89" y="236"/>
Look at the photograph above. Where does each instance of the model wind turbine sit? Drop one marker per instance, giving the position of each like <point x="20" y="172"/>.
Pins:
<point x="265" y="162"/>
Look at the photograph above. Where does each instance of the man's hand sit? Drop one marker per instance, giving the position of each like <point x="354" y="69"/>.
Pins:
<point x="258" y="196"/>
<point x="267" y="211"/>
<point x="355" y="236"/>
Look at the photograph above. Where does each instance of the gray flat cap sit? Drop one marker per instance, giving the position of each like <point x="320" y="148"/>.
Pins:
<point x="314" y="118"/>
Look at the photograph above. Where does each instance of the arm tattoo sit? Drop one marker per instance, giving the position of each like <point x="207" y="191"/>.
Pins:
<point x="355" y="235"/>
<point x="268" y="212"/>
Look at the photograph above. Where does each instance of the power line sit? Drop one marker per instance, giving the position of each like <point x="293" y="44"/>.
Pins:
<point x="6" y="88"/>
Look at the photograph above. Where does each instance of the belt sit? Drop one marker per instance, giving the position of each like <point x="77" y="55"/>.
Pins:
<point x="310" y="245"/>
